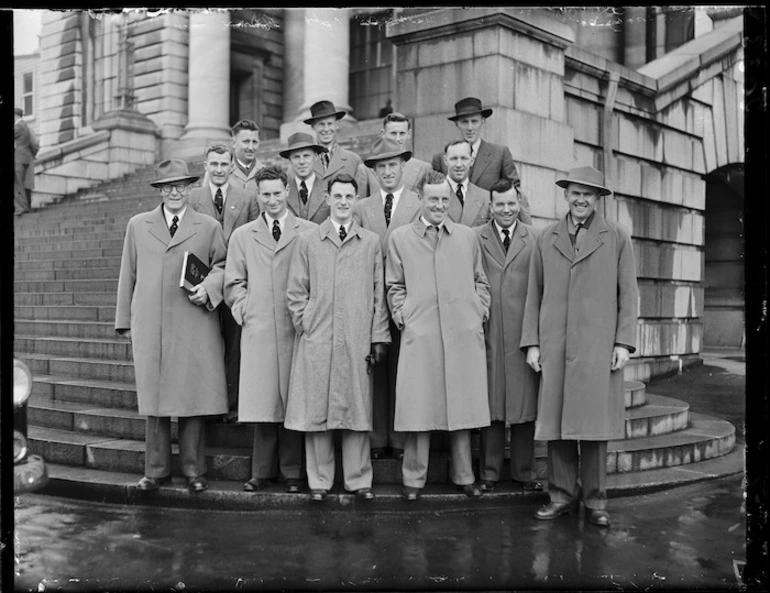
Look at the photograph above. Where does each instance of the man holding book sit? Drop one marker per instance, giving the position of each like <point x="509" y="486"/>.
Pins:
<point x="176" y="340"/>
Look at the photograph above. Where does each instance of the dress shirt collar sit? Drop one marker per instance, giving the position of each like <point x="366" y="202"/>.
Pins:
<point x="454" y="184"/>
<point x="396" y="195"/>
<point x="337" y="225"/>
<point x="281" y="221"/>
<point x="309" y="182"/>
<point x="475" y="147"/>
<point x="224" y="189"/>
<point x="169" y="217"/>
<point x="427" y="224"/>
<point x="572" y="224"/>
<point x="511" y="230"/>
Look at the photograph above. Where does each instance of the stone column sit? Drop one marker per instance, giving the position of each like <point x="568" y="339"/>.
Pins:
<point x="208" y="103"/>
<point x="294" y="62"/>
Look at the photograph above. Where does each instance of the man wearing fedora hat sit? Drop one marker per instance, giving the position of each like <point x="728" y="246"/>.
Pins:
<point x="175" y="335"/>
<point x="306" y="187"/>
<point x="390" y="206"/>
<point x="490" y="161"/>
<point x="25" y="146"/>
<point x="325" y="121"/>
<point x="579" y="334"/>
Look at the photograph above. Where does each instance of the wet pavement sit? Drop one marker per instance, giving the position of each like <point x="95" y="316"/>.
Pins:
<point x="686" y="538"/>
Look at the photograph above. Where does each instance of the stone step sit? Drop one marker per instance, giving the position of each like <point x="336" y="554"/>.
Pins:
<point x="67" y="286"/>
<point x="75" y="245"/>
<point x="103" y="349"/>
<point x="68" y="274"/>
<point x="64" y="298"/>
<point x="90" y="392"/>
<point x="70" y="313"/>
<point x="70" y="229"/>
<point x="69" y="329"/>
<point x="98" y="233"/>
<point x="80" y="368"/>
<point x="67" y="264"/>
<point x="69" y="254"/>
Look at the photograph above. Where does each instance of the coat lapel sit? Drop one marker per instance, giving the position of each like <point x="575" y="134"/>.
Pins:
<point x="483" y="158"/>
<point x="491" y="243"/>
<point x="562" y="243"/>
<point x="376" y="214"/>
<point x="518" y="242"/>
<point x="473" y="203"/>
<point x="593" y="239"/>
<point x="290" y="232"/>
<point x="407" y="206"/>
<point x="204" y="202"/>
<point x="263" y="234"/>
<point x="292" y="199"/>
<point x="316" y="198"/>
<point x="233" y="206"/>
<point x="188" y="226"/>
<point x="157" y="224"/>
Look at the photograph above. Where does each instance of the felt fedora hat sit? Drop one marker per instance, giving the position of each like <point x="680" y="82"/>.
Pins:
<point x="301" y="140"/>
<point x="585" y="176"/>
<point x="322" y="109"/>
<point x="385" y="148"/>
<point x="171" y="171"/>
<point x="469" y="106"/>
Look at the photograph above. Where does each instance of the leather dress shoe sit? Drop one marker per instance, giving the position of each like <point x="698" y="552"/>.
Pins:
<point x="293" y="486"/>
<point x="397" y="454"/>
<point x="255" y="484"/>
<point x="379" y="452"/>
<point x="197" y="483"/>
<point x="147" y="484"/>
<point x="530" y="486"/>
<point x="470" y="490"/>
<point x="318" y="495"/>
<point x="555" y="509"/>
<point x="598" y="517"/>
<point x="365" y="494"/>
<point x="487" y="485"/>
<point x="411" y="493"/>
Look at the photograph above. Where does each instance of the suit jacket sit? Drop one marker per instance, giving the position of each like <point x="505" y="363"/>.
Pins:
<point x="370" y="214"/>
<point x="414" y="171"/>
<point x="316" y="209"/>
<point x="342" y="161"/>
<point x="240" y="179"/>
<point x="240" y="207"/>
<point x="475" y="212"/>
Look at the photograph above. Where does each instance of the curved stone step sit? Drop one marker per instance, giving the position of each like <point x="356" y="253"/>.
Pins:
<point x="660" y="415"/>
<point x="635" y="393"/>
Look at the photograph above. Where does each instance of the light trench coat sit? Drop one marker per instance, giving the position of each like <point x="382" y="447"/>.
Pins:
<point x="178" y="349"/>
<point x="439" y="298"/>
<point x="256" y="275"/>
<point x="579" y="306"/>
<point x="336" y="297"/>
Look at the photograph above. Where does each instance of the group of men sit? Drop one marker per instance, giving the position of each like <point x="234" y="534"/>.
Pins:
<point x="382" y="300"/>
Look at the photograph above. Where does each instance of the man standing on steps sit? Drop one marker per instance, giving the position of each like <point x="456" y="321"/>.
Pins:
<point x="232" y="207"/>
<point x="336" y="297"/>
<point x="439" y="299"/>
<point x="390" y="207"/>
<point x="256" y="275"/>
<point x="335" y="160"/>
<point x="307" y="191"/>
<point x="506" y="246"/>
<point x="175" y="336"/>
<point x="468" y="203"/>
<point x="579" y="329"/>
<point x="245" y="139"/>
<point x="25" y="148"/>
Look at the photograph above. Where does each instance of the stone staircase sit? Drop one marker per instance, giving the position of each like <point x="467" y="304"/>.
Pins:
<point x="82" y="414"/>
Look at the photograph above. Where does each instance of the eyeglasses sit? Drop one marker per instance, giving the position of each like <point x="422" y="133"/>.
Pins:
<point x="179" y="187"/>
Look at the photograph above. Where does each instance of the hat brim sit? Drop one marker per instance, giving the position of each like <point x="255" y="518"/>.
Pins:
<point x="370" y="162"/>
<point x="176" y="179"/>
<point x="484" y="113"/>
<point x="316" y="147"/>
<point x="565" y="182"/>
<point x="337" y="114"/>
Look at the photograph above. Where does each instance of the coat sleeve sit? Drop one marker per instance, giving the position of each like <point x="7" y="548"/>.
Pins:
<point x="530" y="331"/>
<point x="254" y="209"/>
<point x="480" y="278"/>
<point x="298" y="285"/>
<point x="214" y="281"/>
<point x="395" y="282"/>
<point x="380" y="330"/>
<point x="628" y="292"/>
<point x="126" y="280"/>
<point x="236" y="282"/>
<point x="524" y="211"/>
<point x="509" y="168"/>
<point x="362" y="180"/>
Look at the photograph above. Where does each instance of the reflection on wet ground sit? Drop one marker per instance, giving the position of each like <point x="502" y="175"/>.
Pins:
<point x="682" y="538"/>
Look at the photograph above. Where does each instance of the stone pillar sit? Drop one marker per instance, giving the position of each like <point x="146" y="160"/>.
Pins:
<point x="209" y="82"/>
<point x="294" y="62"/>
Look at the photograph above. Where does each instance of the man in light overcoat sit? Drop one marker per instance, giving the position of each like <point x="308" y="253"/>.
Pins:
<point x="579" y="329"/>
<point x="336" y="297"/>
<point x="256" y="276"/>
<point x="506" y="246"/>
<point x="439" y="298"/>
<point x="175" y="336"/>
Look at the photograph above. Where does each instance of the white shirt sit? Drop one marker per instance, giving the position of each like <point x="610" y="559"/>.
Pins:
<point x="428" y="224"/>
<point x="338" y="225"/>
<point x="396" y="197"/>
<point x="169" y="217"/>
<point x="214" y="189"/>
<point x="281" y="221"/>
<point x="464" y="185"/>
<point x="510" y="230"/>
<point x="309" y="182"/>
<point x="475" y="147"/>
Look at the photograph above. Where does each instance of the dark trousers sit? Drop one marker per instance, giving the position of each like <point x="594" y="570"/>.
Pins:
<point x="22" y="195"/>
<point x="277" y="451"/>
<point x="231" y="332"/>
<point x="384" y="397"/>
<point x="563" y="462"/>
<point x="492" y="451"/>
<point x="192" y="446"/>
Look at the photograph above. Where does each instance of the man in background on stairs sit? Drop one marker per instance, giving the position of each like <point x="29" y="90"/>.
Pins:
<point x="580" y="333"/>
<point x="307" y="190"/>
<point x="256" y="276"/>
<point x="506" y="246"/>
<point x="25" y="146"/>
<point x="175" y="335"/>
<point x="245" y="138"/>
<point x="468" y="203"/>
<point x="232" y="207"/>
<point x="396" y="127"/>
<point x="325" y="121"/>
<point x="490" y="161"/>
<point x="388" y="207"/>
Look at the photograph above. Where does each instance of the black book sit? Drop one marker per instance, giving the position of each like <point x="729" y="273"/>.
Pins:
<point x="193" y="271"/>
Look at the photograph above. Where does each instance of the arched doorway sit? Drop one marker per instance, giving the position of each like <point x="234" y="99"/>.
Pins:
<point x="723" y="310"/>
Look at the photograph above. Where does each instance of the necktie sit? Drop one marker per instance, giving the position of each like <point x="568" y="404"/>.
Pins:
<point x="276" y="231"/>
<point x="303" y="192"/>
<point x="343" y="233"/>
<point x="506" y="239"/>
<point x="388" y="208"/>
<point x="174" y="226"/>
<point x="578" y="226"/>
<point x="459" y="194"/>
<point x="326" y="160"/>
<point x="218" y="200"/>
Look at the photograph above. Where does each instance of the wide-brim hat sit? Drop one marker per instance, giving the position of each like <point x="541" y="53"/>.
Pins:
<point x="385" y="148"/>
<point x="322" y="109"/>
<point x="301" y="140"/>
<point x="172" y="171"/>
<point x="585" y="176"/>
<point x="18" y="111"/>
<point x="469" y="106"/>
